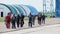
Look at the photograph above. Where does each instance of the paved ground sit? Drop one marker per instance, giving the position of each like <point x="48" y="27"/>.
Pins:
<point x="50" y="29"/>
<point x="49" y="21"/>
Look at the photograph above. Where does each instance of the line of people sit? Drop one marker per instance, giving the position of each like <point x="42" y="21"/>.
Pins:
<point x="19" y="20"/>
<point x="40" y="17"/>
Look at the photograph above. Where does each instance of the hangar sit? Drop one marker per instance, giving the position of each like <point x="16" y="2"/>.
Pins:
<point x="17" y="9"/>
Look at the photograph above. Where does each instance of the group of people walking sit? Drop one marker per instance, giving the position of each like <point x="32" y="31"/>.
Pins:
<point x="19" y="20"/>
<point x="13" y="19"/>
<point x="40" y="17"/>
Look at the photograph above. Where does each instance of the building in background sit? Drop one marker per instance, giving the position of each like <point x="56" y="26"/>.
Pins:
<point x="44" y="6"/>
<point x="17" y="9"/>
<point x="57" y="8"/>
<point x="49" y="7"/>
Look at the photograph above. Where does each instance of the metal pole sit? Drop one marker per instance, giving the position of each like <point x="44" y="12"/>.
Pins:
<point x="44" y="6"/>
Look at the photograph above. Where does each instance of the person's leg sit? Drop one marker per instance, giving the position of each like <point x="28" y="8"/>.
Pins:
<point x="21" y="24"/>
<point x="14" y="25"/>
<point x="34" y="21"/>
<point x="18" y="24"/>
<point x="8" y="24"/>
<point x="44" y="21"/>
<point x="39" y="22"/>
<point x="31" y="24"/>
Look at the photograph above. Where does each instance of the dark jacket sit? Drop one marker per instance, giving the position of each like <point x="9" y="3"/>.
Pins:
<point x="18" y="18"/>
<point x="43" y="17"/>
<point x="30" y="18"/>
<point x="13" y="18"/>
<point x="39" y="17"/>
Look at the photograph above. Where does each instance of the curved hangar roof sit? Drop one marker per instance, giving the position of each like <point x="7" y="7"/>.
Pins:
<point x="21" y="9"/>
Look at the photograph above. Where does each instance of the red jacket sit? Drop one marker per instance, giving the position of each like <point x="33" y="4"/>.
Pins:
<point x="8" y="18"/>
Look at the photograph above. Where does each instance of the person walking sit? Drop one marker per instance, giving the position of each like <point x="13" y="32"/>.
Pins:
<point x="33" y="20"/>
<point x="18" y="20"/>
<point x="13" y="21"/>
<point x="39" y="18"/>
<point x="8" y="20"/>
<point x="30" y="20"/>
<point x="43" y="18"/>
<point x="22" y="20"/>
